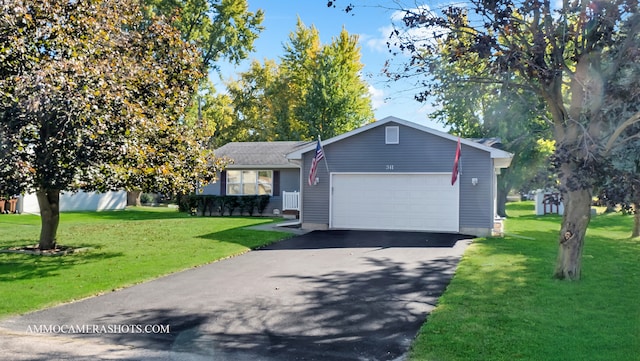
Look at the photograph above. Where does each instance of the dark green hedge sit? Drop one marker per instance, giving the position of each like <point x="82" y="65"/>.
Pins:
<point x="209" y="205"/>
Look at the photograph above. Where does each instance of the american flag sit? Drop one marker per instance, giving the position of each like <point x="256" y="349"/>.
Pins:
<point x="456" y="165"/>
<point x="314" y="163"/>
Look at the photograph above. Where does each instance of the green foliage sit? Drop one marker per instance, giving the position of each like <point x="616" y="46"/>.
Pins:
<point x="146" y="198"/>
<point x="503" y="303"/>
<point x="92" y="96"/>
<point x="263" y="202"/>
<point x="248" y="204"/>
<point x="218" y="28"/>
<point x="125" y="248"/>
<point x="492" y="108"/>
<point x="97" y="105"/>
<point x="231" y="203"/>
<point x="337" y="100"/>
<point x="221" y="30"/>
<point x="211" y="204"/>
<point x="315" y="90"/>
<point x="578" y="57"/>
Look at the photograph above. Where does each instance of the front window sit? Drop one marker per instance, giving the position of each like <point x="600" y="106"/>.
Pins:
<point x="249" y="182"/>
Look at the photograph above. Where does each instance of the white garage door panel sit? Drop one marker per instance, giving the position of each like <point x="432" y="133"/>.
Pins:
<point x="395" y="201"/>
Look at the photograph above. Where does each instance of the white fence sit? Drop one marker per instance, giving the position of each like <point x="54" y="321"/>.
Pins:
<point x="290" y="201"/>
<point x="79" y="201"/>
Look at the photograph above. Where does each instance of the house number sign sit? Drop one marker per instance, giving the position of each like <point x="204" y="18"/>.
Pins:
<point x="389" y="166"/>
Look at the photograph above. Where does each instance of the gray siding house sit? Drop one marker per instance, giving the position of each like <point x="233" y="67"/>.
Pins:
<point x="396" y="175"/>
<point x="388" y="175"/>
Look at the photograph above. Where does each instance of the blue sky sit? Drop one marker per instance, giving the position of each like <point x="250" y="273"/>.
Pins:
<point x="372" y="24"/>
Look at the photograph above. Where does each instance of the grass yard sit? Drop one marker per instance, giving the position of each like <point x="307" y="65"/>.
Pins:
<point x="126" y="247"/>
<point x="504" y="305"/>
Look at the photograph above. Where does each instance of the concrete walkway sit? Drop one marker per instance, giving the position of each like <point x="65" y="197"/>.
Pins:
<point x="333" y="295"/>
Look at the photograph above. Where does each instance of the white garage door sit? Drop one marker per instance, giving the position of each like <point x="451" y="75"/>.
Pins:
<point x="421" y="202"/>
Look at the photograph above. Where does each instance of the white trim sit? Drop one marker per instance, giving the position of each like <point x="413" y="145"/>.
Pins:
<point x="262" y="167"/>
<point x="242" y="183"/>
<point x="389" y="131"/>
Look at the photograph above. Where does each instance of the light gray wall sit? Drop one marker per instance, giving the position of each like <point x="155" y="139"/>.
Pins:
<point x="211" y="188"/>
<point x="289" y="182"/>
<point x="417" y="152"/>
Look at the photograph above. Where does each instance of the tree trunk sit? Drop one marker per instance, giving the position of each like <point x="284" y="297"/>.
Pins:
<point x="577" y="214"/>
<point x="49" y="202"/>
<point x="502" y="201"/>
<point x="636" y="220"/>
<point x="133" y="198"/>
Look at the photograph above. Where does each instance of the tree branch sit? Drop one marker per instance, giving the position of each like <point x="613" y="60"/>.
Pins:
<point x="616" y="134"/>
<point x="628" y="43"/>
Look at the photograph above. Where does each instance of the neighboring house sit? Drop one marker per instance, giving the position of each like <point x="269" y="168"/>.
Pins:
<point x="77" y="201"/>
<point x="388" y="175"/>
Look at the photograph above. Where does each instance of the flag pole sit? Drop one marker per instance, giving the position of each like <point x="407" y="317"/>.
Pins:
<point x="324" y="153"/>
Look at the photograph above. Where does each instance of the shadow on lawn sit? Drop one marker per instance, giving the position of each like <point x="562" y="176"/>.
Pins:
<point x="15" y="267"/>
<point x="334" y="316"/>
<point x="247" y="237"/>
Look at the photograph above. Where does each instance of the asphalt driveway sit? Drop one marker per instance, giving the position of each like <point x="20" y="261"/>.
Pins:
<point x="331" y="295"/>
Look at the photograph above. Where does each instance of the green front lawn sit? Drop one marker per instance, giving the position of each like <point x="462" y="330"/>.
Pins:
<point x="504" y="305"/>
<point x="125" y="248"/>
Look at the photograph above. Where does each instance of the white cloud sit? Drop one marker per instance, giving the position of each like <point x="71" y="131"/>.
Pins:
<point x="377" y="97"/>
<point x="419" y="37"/>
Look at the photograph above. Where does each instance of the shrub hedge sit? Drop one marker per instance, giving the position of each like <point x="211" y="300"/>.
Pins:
<point x="210" y="205"/>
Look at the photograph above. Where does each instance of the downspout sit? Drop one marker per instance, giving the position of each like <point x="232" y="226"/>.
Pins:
<point x="299" y="163"/>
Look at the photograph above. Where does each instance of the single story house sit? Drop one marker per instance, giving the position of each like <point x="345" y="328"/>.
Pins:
<point x="258" y="168"/>
<point x="391" y="174"/>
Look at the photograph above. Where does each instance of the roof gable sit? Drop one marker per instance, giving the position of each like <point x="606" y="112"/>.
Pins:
<point x="494" y="152"/>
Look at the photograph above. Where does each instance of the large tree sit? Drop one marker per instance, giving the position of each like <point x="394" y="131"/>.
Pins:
<point x="337" y="99"/>
<point x="211" y="116"/>
<point x="314" y="90"/>
<point x="254" y="103"/>
<point x="221" y="30"/>
<point x="474" y="106"/>
<point x="575" y="55"/>
<point x="622" y="182"/>
<point x="218" y="28"/>
<point x="91" y="95"/>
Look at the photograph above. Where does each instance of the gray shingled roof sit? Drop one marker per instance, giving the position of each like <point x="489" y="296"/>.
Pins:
<point x="260" y="154"/>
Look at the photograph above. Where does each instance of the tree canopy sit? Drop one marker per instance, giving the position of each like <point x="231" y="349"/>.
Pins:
<point x="218" y="28"/>
<point x="491" y="109"/>
<point x="580" y="57"/>
<point x="314" y="89"/>
<point x="91" y="96"/>
<point x="576" y="56"/>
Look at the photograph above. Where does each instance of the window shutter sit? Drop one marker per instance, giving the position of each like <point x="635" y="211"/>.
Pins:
<point x="276" y="182"/>
<point x="223" y="183"/>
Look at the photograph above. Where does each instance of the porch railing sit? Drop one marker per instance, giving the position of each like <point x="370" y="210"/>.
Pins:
<point x="290" y="201"/>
